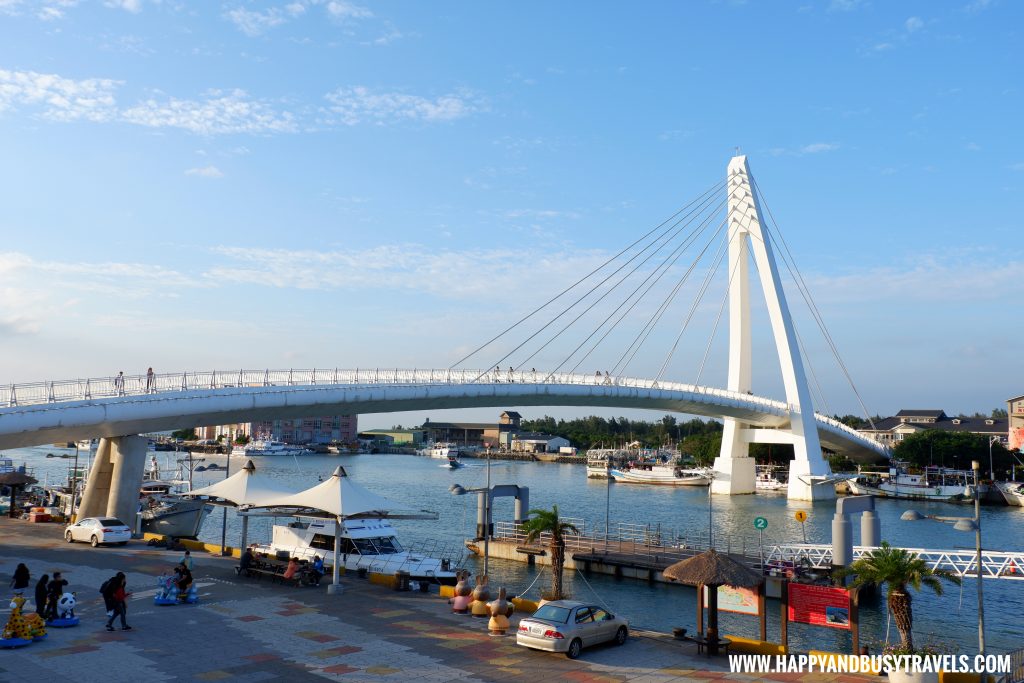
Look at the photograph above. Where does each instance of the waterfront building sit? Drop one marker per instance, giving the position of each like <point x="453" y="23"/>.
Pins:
<point x="473" y="433"/>
<point x="1015" y="428"/>
<point x="394" y="437"/>
<point x="534" y="442"/>
<point x="303" y="430"/>
<point x="891" y="430"/>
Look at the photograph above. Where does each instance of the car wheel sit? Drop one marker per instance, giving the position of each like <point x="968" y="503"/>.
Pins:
<point x="621" y="635"/>
<point x="575" y="647"/>
<point x="68" y="537"/>
<point x="95" y="541"/>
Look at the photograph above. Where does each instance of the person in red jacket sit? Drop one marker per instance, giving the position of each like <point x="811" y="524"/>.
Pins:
<point x="118" y="602"/>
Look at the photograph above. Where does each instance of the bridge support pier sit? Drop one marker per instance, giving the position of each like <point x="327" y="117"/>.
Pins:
<point x="113" y="486"/>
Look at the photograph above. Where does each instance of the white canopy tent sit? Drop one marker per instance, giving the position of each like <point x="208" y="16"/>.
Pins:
<point x="243" y="489"/>
<point x="338" y="498"/>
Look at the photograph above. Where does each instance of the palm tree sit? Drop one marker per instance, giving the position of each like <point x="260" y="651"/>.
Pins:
<point x="898" y="569"/>
<point x="548" y="522"/>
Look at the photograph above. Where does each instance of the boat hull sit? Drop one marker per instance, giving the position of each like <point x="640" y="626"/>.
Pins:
<point x="180" y="519"/>
<point x="659" y="479"/>
<point x="1013" y="494"/>
<point x="942" y="494"/>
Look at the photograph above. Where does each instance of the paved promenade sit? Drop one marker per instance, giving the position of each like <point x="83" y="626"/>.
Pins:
<point x="244" y="630"/>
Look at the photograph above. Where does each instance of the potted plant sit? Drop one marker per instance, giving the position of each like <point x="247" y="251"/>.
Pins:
<point x="900" y="570"/>
<point x="548" y="522"/>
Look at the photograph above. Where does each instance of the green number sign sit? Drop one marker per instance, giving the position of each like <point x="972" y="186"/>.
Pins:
<point x="760" y="523"/>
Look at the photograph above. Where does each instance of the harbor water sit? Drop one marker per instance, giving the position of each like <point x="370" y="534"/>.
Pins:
<point x="421" y="483"/>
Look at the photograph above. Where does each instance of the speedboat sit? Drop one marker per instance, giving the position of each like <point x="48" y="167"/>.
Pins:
<point x="454" y="463"/>
<point x="664" y="475"/>
<point x="365" y="544"/>
<point x="1013" y="492"/>
<point x="932" y="483"/>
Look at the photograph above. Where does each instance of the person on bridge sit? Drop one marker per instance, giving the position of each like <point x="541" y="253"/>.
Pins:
<point x="150" y="381"/>
<point x="119" y="383"/>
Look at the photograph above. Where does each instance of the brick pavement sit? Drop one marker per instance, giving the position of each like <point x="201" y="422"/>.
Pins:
<point x="252" y="631"/>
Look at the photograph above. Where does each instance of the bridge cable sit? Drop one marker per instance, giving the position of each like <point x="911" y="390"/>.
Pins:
<point x="808" y="299"/>
<point x="718" y="318"/>
<point x="663" y="267"/>
<point x="714" y="188"/>
<point x="650" y="285"/>
<point x="641" y="338"/>
<point x="594" y="288"/>
<point x="693" y="308"/>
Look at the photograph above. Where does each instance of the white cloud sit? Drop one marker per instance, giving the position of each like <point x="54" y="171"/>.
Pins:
<point x="914" y="24"/>
<point x="220" y="113"/>
<point x="358" y="104"/>
<point x="206" y="172"/>
<point x="339" y="9"/>
<point x="253" y="22"/>
<point x="844" y="5"/>
<point x="61" y="99"/>
<point x="133" y="6"/>
<point x="818" y="147"/>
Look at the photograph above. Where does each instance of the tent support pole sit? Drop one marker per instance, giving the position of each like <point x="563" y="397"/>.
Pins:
<point x="335" y="587"/>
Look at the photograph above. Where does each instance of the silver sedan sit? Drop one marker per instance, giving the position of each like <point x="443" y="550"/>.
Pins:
<point x="567" y="626"/>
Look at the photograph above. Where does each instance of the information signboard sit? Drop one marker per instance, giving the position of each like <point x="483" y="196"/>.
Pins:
<point x="819" y="605"/>
<point x="739" y="600"/>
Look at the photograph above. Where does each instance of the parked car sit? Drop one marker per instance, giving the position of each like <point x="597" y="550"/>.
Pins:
<point x="567" y="626"/>
<point x="96" y="530"/>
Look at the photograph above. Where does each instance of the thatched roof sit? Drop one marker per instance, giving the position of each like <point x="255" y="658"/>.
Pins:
<point x="16" y="479"/>
<point x="713" y="569"/>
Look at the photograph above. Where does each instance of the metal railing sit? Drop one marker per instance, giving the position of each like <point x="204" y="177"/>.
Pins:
<point x="1016" y="672"/>
<point x="995" y="565"/>
<point x="57" y="391"/>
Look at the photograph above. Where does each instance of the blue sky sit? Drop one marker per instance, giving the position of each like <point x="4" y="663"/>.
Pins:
<point x="323" y="183"/>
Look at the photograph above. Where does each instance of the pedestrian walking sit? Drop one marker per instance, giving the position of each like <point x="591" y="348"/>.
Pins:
<point x="20" y="578"/>
<point x="119" y="383"/>
<point x="150" y="381"/>
<point x="115" y="596"/>
<point x="186" y="560"/>
<point x="41" y="585"/>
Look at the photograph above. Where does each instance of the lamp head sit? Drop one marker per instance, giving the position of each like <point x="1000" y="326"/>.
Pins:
<point x="975" y="465"/>
<point x="911" y="516"/>
<point x="456" y="490"/>
<point x="965" y="525"/>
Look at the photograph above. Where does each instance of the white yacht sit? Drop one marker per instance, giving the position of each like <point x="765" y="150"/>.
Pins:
<point x="268" y="447"/>
<point x="162" y="508"/>
<point x="1013" y="493"/>
<point x="444" y="451"/>
<point x="601" y="460"/>
<point x="663" y="475"/>
<point x="368" y="544"/>
<point x="931" y="483"/>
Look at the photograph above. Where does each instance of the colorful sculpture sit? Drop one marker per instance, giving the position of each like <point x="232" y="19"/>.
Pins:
<point x="17" y="631"/>
<point x="65" y="612"/>
<point x="500" y="611"/>
<point x="481" y="594"/>
<point x="463" y="594"/>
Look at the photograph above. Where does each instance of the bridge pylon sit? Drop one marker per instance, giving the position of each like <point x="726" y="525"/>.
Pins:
<point x="809" y="473"/>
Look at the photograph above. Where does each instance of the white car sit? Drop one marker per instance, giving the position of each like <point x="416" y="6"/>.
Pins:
<point x="567" y="626"/>
<point x="96" y="530"/>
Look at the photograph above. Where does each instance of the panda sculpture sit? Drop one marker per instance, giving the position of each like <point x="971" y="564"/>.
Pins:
<point x="65" y="612"/>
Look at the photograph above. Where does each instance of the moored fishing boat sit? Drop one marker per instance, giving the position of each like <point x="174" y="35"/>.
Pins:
<point x="932" y="483"/>
<point x="268" y="447"/>
<point x="601" y="460"/>
<point x="768" y="478"/>
<point x="664" y="475"/>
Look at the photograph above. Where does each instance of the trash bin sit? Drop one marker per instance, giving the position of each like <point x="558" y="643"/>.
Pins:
<point x="401" y="580"/>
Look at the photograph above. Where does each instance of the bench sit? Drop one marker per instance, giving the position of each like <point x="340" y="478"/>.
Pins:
<point x="703" y="642"/>
<point x="275" y="574"/>
<point x="751" y="646"/>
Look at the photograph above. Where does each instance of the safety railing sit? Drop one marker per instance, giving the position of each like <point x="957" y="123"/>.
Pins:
<point x="994" y="564"/>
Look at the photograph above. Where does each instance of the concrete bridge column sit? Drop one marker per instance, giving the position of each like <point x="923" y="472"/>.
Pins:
<point x="97" y="486"/>
<point x="734" y="468"/>
<point x="128" y="456"/>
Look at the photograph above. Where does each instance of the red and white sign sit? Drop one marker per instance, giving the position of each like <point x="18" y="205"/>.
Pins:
<point x="819" y="605"/>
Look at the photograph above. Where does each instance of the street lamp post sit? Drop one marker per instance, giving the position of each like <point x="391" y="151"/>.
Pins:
<point x="607" y="500"/>
<point x="965" y="524"/>
<point x="991" y="470"/>
<point x="224" y="518"/>
<point x="457" y="490"/>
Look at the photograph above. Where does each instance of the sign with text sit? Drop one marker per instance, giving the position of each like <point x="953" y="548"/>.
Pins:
<point x="760" y="523"/>
<point x="730" y="599"/>
<point x="819" y="605"/>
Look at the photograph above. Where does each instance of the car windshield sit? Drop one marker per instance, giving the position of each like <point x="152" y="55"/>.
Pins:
<point x="111" y="521"/>
<point x="553" y="613"/>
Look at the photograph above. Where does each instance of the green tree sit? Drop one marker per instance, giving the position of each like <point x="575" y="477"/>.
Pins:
<point x="952" y="449"/>
<point x="899" y="570"/>
<point x="185" y="434"/>
<point x="548" y="522"/>
<point x="999" y="413"/>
